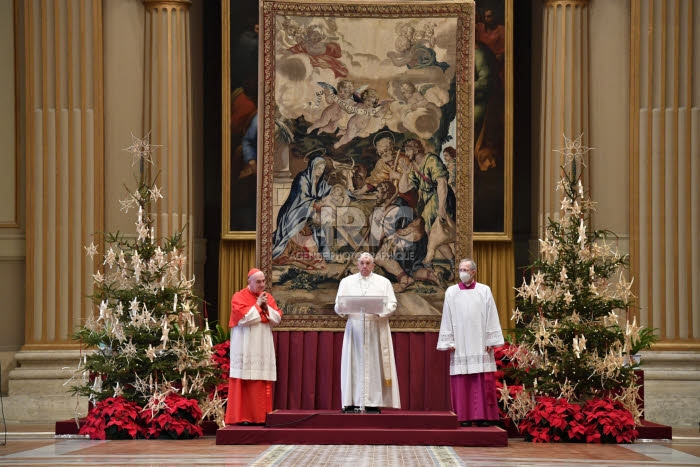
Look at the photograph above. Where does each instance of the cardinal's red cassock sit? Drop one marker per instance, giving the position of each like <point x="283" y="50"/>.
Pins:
<point x="253" y="366"/>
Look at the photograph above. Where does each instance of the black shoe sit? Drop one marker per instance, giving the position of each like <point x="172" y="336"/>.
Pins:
<point x="465" y="423"/>
<point x="483" y="423"/>
<point x="372" y="410"/>
<point x="244" y="423"/>
<point x="349" y="409"/>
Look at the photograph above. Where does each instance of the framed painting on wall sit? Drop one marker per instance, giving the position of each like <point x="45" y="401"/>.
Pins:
<point x="493" y="120"/>
<point x="239" y="167"/>
<point x="366" y="141"/>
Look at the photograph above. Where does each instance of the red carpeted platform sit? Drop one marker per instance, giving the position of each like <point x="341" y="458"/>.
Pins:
<point x="390" y="427"/>
<point x="651" y="430"/>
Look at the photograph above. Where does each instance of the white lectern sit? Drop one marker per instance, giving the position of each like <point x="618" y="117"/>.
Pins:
<point x="362" y="305"/>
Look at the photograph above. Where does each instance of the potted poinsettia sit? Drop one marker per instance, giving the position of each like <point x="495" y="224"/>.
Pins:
<point x="507" y="388"/>
<point x="177" y="418"/>
<point x="607" y="421"/>
<point x="113" y="418"/>
<point x="599" y="420"/>
<point x="221" y="356"/>
<point x="553" y="420"/>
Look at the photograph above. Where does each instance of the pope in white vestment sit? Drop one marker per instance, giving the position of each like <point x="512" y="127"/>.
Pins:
<point x="368" y="370"/>
<point x="470" y="329"/>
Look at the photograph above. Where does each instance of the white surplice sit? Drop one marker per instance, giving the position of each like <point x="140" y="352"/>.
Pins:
<point x="252" y="347"/>
<point x="469" y="325"/>
<point x="378" y="382"/>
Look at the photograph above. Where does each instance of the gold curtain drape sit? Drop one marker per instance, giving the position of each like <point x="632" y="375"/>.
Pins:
<point x="495" y="260"/>
<point x="235" y="260"/>
<point x="496" y="268"/>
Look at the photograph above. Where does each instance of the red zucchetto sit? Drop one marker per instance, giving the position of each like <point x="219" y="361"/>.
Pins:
<point x="253" y="271"/>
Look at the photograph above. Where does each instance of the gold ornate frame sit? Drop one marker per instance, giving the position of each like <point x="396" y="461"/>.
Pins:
<point x="227" y="233"/>
<point x="369" y="15"/>
<point x="506" y="234"/>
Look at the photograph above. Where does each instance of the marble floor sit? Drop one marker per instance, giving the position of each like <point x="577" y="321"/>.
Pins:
<point x="32" y="445"/>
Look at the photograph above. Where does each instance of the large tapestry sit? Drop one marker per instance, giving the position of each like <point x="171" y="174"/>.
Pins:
<point x="366" y="140"/>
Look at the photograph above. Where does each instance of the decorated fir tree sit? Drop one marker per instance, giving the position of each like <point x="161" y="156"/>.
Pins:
<point x="571" y="340"/>
<point x="152" y="351"/>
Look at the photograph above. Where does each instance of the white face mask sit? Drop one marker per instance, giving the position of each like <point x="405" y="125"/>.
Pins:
<point x="465" y="277"/>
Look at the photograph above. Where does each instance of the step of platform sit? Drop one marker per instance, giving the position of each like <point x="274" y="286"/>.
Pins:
<point x="484" y="437"/>
<point x="388" y="419"/>
<point x="397" y="427"/>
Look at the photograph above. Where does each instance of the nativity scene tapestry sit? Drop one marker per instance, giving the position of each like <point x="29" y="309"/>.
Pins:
<point x="366" y="144"/>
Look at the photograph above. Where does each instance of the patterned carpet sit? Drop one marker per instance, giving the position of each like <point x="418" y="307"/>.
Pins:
<point x="359" y="456"/>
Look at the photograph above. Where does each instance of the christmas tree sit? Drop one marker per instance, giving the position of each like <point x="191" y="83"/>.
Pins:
<point x="570" y="340"/>
<point x="152" y="349"/>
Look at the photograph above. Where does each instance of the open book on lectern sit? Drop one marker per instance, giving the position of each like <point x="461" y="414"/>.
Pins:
<point x="367" y="304"/>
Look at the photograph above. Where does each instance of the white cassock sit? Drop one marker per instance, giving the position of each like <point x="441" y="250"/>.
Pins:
<point x="470" y="324"/>
<point x="253" y="348"/>
<point x="378" y="382"/>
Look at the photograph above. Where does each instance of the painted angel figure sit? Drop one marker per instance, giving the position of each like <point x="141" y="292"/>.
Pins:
<point x="322" y="53"/>
<point x="369" y="107"/>
<point x="418" y="106"/>
<point x="414" y="50"/>
<point x="427" y="35"/>
<point x="414" y="97"/>
<point x="338" y="101"/>
<point x="293" y="32"/>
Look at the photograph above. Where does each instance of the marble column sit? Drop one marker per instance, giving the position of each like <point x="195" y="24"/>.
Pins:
<point x="564" y="89"/>
<point x="665" y="201"/>
<point x="671" y="392"/>
<point x="60" y="43"/>
<point x="168" y="115"/>
<point x="664" y="169"/>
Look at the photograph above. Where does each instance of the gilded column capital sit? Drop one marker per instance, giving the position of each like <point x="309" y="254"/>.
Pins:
<point x="555" y="3"/>
<point x="168" y="114"/>
<point x="564" y="91"/>
<point x="167" y="3"/>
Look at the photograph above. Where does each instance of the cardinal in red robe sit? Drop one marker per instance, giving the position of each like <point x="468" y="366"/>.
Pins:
<point x="253" y="365"/>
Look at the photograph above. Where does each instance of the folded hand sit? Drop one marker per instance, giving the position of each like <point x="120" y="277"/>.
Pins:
<point x="262" y="301"/>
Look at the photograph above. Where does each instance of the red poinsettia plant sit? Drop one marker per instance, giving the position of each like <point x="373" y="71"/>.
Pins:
<point x="178" y="419"/>
<point x="118" y="418"/>
<point x="221" y="358"/>
<point x="504" y="363"/>
<point x="553" y="420"/>
<point x="113" y="418"/>
<point x="607" y="421"/>
<point x="600" y="420"/>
